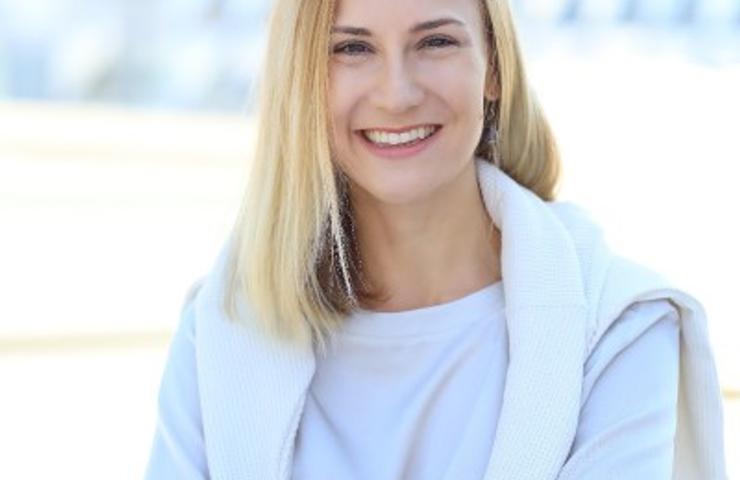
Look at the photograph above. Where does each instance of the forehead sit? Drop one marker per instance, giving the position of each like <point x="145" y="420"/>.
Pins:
<point x="379" y="15"/>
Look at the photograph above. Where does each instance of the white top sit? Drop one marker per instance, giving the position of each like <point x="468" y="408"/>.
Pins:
<point x="416" y="394"/>
<point x="232" y="396"/>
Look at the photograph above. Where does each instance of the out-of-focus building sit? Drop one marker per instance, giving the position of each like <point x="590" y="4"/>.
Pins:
<point x="205" y="54"/>
<point x="171" y="53"/>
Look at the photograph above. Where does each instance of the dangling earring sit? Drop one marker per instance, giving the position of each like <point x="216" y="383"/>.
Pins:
<point x="490" y="134"/>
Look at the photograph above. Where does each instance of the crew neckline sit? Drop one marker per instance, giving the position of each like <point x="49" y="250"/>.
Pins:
<point x="432" y="319"/>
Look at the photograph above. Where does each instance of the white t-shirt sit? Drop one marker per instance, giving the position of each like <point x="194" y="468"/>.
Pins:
<point x="417" y="394"/>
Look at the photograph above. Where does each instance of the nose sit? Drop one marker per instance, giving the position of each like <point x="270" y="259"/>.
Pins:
<point x="397" y="89"/>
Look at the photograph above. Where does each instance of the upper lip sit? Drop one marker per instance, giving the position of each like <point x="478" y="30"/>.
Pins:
<point x="402" y="129"/>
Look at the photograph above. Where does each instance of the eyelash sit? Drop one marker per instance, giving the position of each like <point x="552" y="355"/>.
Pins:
<point x="342" y="48"/>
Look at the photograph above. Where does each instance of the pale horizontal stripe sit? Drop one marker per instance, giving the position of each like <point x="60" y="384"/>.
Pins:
<point x="41" y="344"/>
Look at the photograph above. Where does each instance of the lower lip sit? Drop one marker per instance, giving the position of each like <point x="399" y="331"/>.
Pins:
<point x="400" y="151"/>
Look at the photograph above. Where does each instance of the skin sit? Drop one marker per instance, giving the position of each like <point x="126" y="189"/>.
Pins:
<point x="424" y="235"/>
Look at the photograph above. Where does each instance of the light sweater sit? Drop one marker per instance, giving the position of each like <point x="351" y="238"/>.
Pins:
<point x="415" y="395"/>
<point x="564" y="290"/>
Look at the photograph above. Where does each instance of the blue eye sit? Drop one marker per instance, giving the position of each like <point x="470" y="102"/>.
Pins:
<point x="439" y="42"/>
<point x="351" y="48"/>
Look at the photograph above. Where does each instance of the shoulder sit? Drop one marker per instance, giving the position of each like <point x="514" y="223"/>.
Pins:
<point x="590" y="244"/>
<point x="614" y="285"/>
<point x="574" y="216"/>
<point x="628" y="411"/>
<point x="208" y="294"/>
<point x="644" y="336"/>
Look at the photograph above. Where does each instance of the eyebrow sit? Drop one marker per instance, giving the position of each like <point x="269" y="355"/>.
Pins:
<point x="428" y="25"/>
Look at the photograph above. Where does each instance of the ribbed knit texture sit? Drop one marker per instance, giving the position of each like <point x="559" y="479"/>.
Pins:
<point x="699" y="435"/>
<point x="563" y="288"/>
<point x="544" y="301"/>
<point x="252" y="390"/>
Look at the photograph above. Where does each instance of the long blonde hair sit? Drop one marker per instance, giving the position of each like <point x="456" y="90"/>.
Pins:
<point x="292" y="258"/>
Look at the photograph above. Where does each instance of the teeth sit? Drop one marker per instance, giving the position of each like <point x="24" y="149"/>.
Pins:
<point x="384" y="138"/>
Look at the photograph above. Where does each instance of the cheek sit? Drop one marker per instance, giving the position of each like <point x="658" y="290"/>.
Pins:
<point x="341" y="100"/>
<point x="463" y="93"/>
<point x="335" y="105"/>
<point x="342" y="97"/>
<point x="338" y="119"/>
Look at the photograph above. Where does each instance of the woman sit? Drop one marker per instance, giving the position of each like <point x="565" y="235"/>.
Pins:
<point x="403" y="298"/>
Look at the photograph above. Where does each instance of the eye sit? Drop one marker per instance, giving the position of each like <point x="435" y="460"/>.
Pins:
<point x="351" y="48"/>
<point x="438" y="42"/>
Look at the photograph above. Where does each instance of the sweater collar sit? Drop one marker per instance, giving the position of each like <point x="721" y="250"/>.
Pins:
<point x="546" y="321"/>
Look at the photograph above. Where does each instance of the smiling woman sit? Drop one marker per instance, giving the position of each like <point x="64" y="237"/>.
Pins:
<point x="403" y="297"/>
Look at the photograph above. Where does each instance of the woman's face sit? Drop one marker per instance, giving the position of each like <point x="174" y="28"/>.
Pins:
<point x="411" y="72"/>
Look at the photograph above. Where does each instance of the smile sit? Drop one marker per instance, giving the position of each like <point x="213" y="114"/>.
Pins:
<point x="388" y="138"/>
<point x="399" y="143"/>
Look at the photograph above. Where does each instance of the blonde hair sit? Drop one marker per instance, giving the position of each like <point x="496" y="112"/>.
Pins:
<point x="292" y="257"/>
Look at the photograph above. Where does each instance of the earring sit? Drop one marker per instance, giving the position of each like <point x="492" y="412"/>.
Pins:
<point x="490" y="134"/>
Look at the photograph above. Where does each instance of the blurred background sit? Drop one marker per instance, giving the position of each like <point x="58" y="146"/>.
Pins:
<point x="125" y="129"/>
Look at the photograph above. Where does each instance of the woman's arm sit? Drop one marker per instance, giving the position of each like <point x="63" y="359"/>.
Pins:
<point x="178" y="451"/>
<point x="628" y="419"/>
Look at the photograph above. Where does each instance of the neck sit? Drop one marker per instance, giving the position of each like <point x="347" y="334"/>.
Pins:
<point x="428" y="252"/>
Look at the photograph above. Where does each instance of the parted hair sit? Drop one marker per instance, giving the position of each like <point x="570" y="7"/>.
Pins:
<point x="292" y="260"/>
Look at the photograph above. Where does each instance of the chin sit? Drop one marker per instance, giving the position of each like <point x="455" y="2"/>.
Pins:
<point x="402" y="190"/>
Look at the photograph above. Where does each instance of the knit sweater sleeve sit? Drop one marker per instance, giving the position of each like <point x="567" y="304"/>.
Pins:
<point x="178" y="450"/>
<point x="628" y="411"/>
